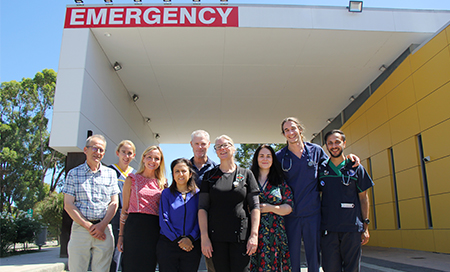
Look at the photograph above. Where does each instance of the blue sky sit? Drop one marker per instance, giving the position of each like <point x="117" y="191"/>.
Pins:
<point x="31" y="34"/>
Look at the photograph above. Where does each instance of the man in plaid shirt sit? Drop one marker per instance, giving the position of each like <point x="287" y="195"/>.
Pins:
<point x="91" y="200"/>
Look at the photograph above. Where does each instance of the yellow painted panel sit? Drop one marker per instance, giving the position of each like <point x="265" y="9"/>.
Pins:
<point x="348" y="134"/>
<point x="383" y="191"/>
<point x="429" y="50"/>
<point x="386" y="218"/>
<point x="399" y="75"/>
<point x="435" y="139"/>
<point x="438" y="182"/>
<point x="361" y="148"/>
<point x="405" y="125"/>
<point x="364" y="163"/>
<point x="447" y="30"/>
<point x="369" y="193"/>
<point x="434" y="108"/>
<point x="441" y="238"/>
<point x="380" y="139"/>
<point x="432" y="74"/>
<point x="376" y="96"/>
<point x="401" y="97"/>
<point x="389" y="238"/>
<point x="418" y="239"/>
<point x="440" y="211"/>
<point x="373" y="241"/>
<point x="358" y="128"/>
<point x="412" y="214"/>
<point x="409" y="183"/>
<point x="406" y="154"/>
<point x="348" y="150"/>
<point x="357" y="114"/>
<point x="381" y="165"/>
<point x="377" y="115"/>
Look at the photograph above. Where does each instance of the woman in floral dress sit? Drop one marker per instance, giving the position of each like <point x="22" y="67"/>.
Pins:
<point x="275" y="202"/>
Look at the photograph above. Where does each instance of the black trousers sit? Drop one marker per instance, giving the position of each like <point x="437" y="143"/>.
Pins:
<point x="230" y="257"/>
<point x="341" y="251"/>
<point x="141" y="234"/>
<point x="171" y="258"/>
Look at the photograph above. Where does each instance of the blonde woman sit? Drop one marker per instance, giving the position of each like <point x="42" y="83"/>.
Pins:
<point x="125" y="151"/>
<point x="139" y="224"/>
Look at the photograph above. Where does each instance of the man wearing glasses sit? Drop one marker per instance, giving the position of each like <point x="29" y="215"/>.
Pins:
<point x="91" y="200"/>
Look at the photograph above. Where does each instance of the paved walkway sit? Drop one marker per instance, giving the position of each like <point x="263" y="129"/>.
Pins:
<point x="374" y="259"/>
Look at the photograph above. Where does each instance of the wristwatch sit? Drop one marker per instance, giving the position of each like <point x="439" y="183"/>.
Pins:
<point x="366" y="221"/>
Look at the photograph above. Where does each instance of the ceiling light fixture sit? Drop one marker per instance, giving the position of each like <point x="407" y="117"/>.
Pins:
<point x="382" y="68"/>
<point x="148" y="120"/>
<point x="355" y="6"/>
<point x="135" y="97"/>
<point x="117" y="66"/>
<point x="352" y="98"/>
<point x="156" y="135"/>
<point x="329" y="120"/>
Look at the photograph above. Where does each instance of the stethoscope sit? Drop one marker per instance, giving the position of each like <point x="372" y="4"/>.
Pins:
<point x="350" y="173"/>
<point x="310" y="162"/>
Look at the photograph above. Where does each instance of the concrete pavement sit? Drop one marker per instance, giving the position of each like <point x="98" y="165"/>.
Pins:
<point x="375" y="259"/>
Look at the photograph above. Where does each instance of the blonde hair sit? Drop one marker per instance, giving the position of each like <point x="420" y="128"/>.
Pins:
<point x="160" y="172"/>
<point x="126" y="142"/>
<point x="226" y="137"/>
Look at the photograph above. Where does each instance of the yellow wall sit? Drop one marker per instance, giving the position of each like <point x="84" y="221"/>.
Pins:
<point x="414" y="100"/>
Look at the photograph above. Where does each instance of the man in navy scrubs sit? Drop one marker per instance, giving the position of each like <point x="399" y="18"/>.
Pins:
<point x="300" y="161"/>
<point x="345" y="208"/>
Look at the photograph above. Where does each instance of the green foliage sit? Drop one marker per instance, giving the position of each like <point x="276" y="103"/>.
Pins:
<point x="25" y="156"/>
<point x="50" y="211"/>
<point x="18" y="228"/>
<point x="244" y="154"/>
<point x="8" y="232"/>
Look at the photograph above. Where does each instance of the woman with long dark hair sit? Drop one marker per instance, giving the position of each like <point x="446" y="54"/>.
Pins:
<point x="275" y="201"/>
<point x="178" y="247"/>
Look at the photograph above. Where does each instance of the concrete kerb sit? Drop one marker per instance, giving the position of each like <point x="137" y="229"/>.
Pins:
<point x="45" y="260"/>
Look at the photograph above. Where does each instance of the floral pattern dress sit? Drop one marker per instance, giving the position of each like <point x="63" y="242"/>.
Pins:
<point x="273" y="252"/>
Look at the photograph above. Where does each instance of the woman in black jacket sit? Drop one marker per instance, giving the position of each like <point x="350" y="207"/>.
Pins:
<point x="229" y="211"/>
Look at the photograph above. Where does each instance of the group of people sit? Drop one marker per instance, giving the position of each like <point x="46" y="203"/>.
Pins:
<point x="239" y="219"/>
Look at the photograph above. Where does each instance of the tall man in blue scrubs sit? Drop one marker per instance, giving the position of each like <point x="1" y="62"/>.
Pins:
<point x="345" y="208"/>
<point x="200" y="143"/>
<point x="299" y="161"/>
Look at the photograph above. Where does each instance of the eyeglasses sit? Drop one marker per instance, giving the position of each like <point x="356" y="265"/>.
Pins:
<point x="96" y="149"/>
<point x="225" y="145"/>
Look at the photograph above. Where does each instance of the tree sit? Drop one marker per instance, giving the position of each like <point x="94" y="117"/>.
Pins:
<point x="51" y="210"/>
<point x="244" y="154"/>
<point x="25" y="156"/>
